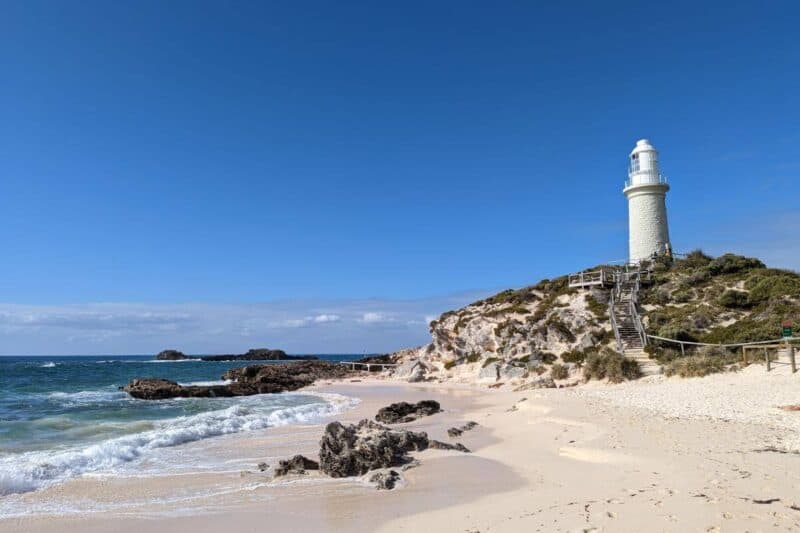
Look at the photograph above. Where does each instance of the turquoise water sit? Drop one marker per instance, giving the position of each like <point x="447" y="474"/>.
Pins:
<point x="62" y="417"/>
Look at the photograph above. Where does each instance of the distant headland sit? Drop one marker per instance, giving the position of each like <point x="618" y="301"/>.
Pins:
<point x="254" y="354"/>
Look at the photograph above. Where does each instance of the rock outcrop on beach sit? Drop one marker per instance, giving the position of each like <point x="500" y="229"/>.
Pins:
<point x="516" y="336"/>
<point x="296" y="465"/>
<point x="456" y="432"/>
<point x="255" y="354"/>
<point x="385" y="480"/>
<point x="252" y="379"/>
<point x="354" y="450"/>
<point x="398" y="413"/>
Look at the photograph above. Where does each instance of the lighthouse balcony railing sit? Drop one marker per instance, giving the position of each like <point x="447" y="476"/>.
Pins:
<point x="647" y="178"/>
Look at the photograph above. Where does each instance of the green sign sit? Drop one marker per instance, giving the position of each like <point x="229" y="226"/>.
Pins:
<point x="787" y="329"/>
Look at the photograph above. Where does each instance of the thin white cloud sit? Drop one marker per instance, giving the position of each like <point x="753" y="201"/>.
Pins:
<point x="321" y="319"/>
<point x="329" y="326"/>
<point x="373" y="317"/>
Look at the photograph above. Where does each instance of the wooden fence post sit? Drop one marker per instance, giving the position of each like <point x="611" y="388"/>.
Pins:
<point x="766" y="356"/>
<point x="744" y="355"/>
<point x="791" y="358"/>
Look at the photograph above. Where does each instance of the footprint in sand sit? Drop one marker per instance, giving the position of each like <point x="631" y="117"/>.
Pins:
<point x="592" y="455"/>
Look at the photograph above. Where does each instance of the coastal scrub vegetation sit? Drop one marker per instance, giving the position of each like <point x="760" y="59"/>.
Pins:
<point x="728" y="299"/>
<point x="608" y="364"/>
<point x="559" y="371"/>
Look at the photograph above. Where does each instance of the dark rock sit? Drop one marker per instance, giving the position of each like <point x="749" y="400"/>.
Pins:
<point x="296" y="465"/>
<point x="387" y="359"/>
<point x="354" y="450"/>
<point x="438" y="445"/>
<point x="455" y="432"/>
<point x="262" y="467"/>
<point x="160" y="389"/>
<point x="385" y="480"/>
<point x="259" y="354"/>
<point x="405" y="412"/>
<point x="253" y="379"/>
<point x="171" y="355"/>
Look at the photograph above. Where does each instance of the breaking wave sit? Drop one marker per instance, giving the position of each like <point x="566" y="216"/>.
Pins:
<point x="35" y="470"/>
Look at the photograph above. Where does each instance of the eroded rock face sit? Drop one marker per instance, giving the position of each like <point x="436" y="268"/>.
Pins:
<point x="253" y="379"/>
<point x="540" y="382"/>
<point x="354" y="450"/>
<point x="412" y="371"/>
<point x="296" y="465"/>
<point x="512" y="372"/>
<point x="490" y="372"/>
<point x="401" y="412"/>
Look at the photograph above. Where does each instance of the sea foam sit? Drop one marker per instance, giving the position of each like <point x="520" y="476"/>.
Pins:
<point x="35" y="470"/>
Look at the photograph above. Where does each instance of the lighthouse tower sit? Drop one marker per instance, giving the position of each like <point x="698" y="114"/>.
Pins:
<point x="646" y="190"/>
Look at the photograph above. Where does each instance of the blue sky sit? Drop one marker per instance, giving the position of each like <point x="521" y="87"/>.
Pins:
<point x="166" y="166"/>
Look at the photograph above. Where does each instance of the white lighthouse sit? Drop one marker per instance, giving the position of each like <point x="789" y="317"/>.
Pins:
<point x="646" y="190"/>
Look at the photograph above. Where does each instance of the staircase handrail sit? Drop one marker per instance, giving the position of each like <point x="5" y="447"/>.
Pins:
<point x="637" y="320"/>
<point x="612" y="316"/>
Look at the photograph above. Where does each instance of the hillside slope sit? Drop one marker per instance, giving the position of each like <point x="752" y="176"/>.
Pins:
<point x="521" y="335"/>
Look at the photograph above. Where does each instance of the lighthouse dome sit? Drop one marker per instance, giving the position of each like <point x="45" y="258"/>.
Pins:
<point x="642" y="145"/>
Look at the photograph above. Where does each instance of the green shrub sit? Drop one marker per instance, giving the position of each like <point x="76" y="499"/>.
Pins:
<point x="682" y="295"/>
<point x="547" y="357"/>
<point x="561" y="328"/>
<point x="663" y="354"/>
<point x="660" y="296"/>
<point x="697" y="278"/>
<point x="489" y="360"/>
<point x="611" y="365"/>
<point x="559" y="371"/>
<point x="733" y="299"/>
<point x="695" y="259"/>
<point x="599" y="310"/>
<point x="450" y="364"/>
<point x="677" y="332"/>
<point x="539" y="370"/>
<point x="770" y="283"/>
<point x="706" y="360"/>
<point x="574" y="356"/>
<point x="602" y="336"/>
<point x="474" y="357"/>
<point x="731" y="263"/>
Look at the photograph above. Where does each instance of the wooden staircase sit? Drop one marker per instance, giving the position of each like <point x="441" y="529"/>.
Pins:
<point x="627" y="323"/>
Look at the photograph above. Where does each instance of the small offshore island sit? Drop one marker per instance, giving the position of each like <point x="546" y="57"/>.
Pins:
<point x="255" y="354"/>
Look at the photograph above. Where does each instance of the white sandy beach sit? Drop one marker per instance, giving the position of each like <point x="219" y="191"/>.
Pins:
<point x="703" y="454"/>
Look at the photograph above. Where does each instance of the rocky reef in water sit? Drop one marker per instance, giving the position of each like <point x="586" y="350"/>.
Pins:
<point x="255" y="354"/>
<point x="245" y="381"/>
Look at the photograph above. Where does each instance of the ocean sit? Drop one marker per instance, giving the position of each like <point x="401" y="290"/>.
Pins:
<point x="63" y="417"/>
